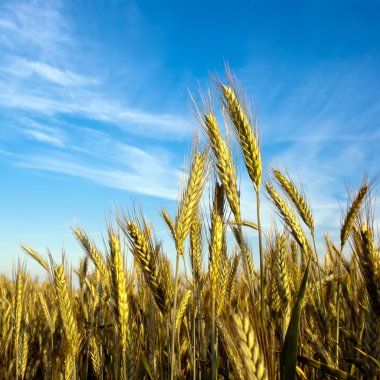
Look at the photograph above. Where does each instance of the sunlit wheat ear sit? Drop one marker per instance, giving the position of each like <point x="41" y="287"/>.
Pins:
<point x="144" y="253"/>
<point x="249" y="348"/>
<point x="182" y="308"/>
<point x="188" y="205"/>
<point x="217" y="236"/>
<point x="224" y="163"/>
<point x="170" y="224"/>
<point x="215" y="250"/>
<point x="294" y="269"/>
<point x="196" y="248"/>
<point x="231" y="282"/>
<point x="352" y="213"/>
<point x="69" y="366"/>
<point x="164" y="268"/>
<point x="95" y="356"/>
<point x="369" y="263"/>
<point x="331" y="249"/>
<point x="119" y="292"/>
<point x="228" y="338"/>
<point x="93" y="253"/>
<point x="224" y="272"/>
<point x="36" y="256"/>
<point x="274" y="296"/>
<point x="247" y="134"/>
<point x="297" y="197"/>
<point x="65" y="308"/>
<point x="17" y="317"/>
<point x="288" y="216"/>
<point x="281" y="273"/>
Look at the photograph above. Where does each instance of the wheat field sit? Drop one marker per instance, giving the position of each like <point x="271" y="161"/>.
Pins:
<point x="214" y="312"/>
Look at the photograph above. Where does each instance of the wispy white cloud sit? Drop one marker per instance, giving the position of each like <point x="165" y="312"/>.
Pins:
<point x="44" y="83"/>
<point x="43" y="137"/>
<point x="41" y="73"/>
<point x="99" y="157"/>
<point x="34" y="26"/>
<point x="133" y="181"/>
<point x="5" y="24"/>
<point x="94" y="107"/>
<point x="52" y="135"/>
<point x="25" y="68"/>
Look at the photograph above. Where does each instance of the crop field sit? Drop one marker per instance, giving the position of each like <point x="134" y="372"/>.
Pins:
<point x="214" y="312"/>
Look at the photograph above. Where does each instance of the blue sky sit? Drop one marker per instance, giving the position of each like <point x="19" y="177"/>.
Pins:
<point x="95" y="110"/>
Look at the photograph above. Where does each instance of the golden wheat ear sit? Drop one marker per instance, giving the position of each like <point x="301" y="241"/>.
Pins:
<point x="145" y="253"/>
<point x="67" y="318"/>
<point x="18" y="297"/>
<point x="353" y="211"/>
<point x="288" y="216"/>
<point x="242" y="347"/>
<point x="224" y="163"/>
<point x="190" y="198"/>
<point x="93" y="253"/>
<point x="247" y="134"/>
<point x="196" y="248"/>
<point x="120" y="297"/>
<point x="296" y="196"/>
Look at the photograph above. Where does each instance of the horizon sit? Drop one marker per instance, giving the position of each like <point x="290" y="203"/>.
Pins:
<point x="96" y="112"/>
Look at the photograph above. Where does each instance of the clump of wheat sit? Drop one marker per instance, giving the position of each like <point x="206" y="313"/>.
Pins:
<point x="115" y="315"/>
